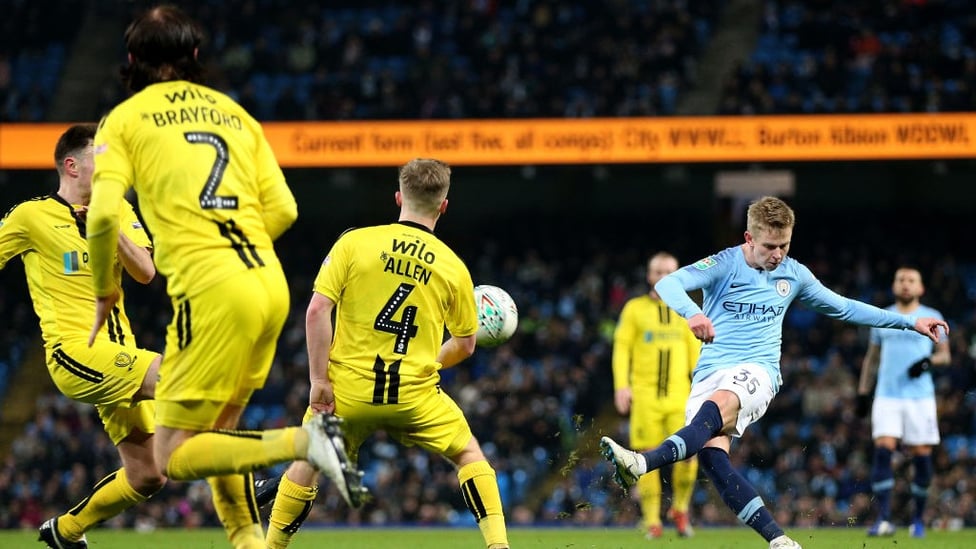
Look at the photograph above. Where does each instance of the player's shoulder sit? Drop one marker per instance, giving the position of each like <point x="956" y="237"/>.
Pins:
<point x="26" y="207"/>
<point x="722" y="259"/>
<point x="793" y="265"/>
<point x="356" y="234"/>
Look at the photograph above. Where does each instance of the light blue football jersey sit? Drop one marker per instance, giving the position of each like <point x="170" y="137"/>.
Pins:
<point x="747" y="306"/>
<point x="899" y="350"/>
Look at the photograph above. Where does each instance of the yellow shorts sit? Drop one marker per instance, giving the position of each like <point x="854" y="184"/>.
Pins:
<point x="220" y="346"/>
<point x="106" y="375"/>
<point x="434" y="423"/>
<point x="652" y="420"/>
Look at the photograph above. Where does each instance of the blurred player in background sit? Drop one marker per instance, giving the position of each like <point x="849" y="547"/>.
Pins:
<point x="747" y="290"/>
<point x="215" y="199"/>
<point x="904" y="403"/>
<point x="654" y="353"/>
<point x="394" y="289"/>
<point x="114" y="375"/>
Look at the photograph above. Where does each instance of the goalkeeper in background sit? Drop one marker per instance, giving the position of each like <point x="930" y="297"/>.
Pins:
<point x="904" y="403"/>
<point x="654" y="353"/>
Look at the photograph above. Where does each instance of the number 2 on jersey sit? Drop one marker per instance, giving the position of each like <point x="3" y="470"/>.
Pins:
<point x="208" y="196"/>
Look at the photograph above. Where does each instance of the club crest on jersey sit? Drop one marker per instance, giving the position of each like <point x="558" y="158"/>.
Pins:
<point x="124" y="360"/>
<point x="783" y="287"/>
<point x="706" y="263"/>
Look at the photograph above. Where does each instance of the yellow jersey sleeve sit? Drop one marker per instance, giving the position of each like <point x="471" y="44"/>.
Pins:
<point x="331" y="278"/>
<point x="14" y="235"/>
<point x="278" y="206"/>
<point x="462" y="317"/>
<point x="102" y="234"/>
<point x="623" y="343"/>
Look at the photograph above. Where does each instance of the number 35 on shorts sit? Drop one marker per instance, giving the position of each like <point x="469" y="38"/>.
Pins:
<point x="746" y="380"/>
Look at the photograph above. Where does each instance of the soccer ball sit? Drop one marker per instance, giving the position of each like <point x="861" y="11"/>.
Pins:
<point x="497" y="315"/>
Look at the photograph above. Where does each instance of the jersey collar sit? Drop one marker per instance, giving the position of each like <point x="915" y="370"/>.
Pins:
<point x="78" y="221"/>
<point x="416" y="225"/>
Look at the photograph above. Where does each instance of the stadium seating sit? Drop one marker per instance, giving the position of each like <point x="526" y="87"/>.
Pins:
<point x="861" y="56"/>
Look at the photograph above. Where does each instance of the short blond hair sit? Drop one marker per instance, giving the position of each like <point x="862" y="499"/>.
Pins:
<point x="424" y="183"/>
<point x="769" y="213"/>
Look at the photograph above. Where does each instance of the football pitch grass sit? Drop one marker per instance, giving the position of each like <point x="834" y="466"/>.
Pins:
<point x="520" y="538"/>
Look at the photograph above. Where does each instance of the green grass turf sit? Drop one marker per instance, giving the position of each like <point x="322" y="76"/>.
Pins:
<point x="520" y="538"/>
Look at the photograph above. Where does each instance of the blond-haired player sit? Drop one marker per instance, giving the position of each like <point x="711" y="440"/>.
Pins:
<point x="746" y="292"/>
<point x="394" y="289"/>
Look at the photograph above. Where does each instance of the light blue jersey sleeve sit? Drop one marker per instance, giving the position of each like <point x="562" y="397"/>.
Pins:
<point x="673" y="288"/>
<point x="818" y="297"/>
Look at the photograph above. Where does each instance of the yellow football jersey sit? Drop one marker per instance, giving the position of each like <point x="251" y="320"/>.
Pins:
<point x="45" y="233"/>
<point x="654" y="350"/>
<point x="208" y="185"/>
<point x="397" y="287"/>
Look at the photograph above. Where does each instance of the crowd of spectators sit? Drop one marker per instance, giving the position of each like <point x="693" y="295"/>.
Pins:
<point x="34" y="40"/>
<point x="339" y="60"/>
<point x="323" y="60"/>
<point x="824" y="56"/>
<point x="540" y="403"/>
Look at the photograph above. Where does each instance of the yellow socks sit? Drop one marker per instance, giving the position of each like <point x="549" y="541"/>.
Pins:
<point x="112" y="495"/>
<point x="291" y="508"/>
<point x="683" y="475"/>
<point x="220" y="453"/>
<point x="233" y="498"/>
<point x="649" y="492"/>
<point x="479" y="487"/>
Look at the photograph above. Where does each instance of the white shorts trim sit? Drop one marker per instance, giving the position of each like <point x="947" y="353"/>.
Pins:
<point x="914" y="421"/>
<point x="750" y="382"/>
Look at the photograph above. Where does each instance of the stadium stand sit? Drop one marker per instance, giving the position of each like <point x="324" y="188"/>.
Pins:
<point x="862" y="56"/>
<point x="34" y="39"/>
<point x="382" y="60"/>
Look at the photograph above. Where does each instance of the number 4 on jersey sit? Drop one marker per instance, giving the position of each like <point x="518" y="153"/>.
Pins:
<point x="404" y="330"/>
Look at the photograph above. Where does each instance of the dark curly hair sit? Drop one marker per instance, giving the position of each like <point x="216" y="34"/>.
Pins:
<point x="162" y="43"/>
